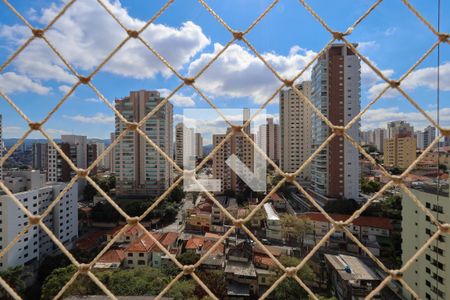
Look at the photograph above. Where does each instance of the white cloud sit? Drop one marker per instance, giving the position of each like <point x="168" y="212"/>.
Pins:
<point x="86" y="34"/>
<point x="13" y="131"/>
<point x="239" y="73"/>
<point x="178" y="99"/>
<point x="93" y="100"/>
<point x="420" y="78"/>
<point x="64" y="88"/>
<point x="98" y="118"/>
<point x="368" y="46"/>
<point x="390" y="31"/>
<point x="378" y="118"/>
<point x="11" y="82"/>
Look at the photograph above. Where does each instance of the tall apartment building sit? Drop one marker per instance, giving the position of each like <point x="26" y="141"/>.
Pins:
<point x="400" y="146"/>
<point x="184" y="146"/>
<point x="40" y="156"/>
<point x="429" y="274"/>
<point x="399" y="129"/>
<point x="77" y="150"/>
<point x="30" y="189"/>
<point x="426" y="137"/>
<point x="199" y="145"/>
<point x="269" y="140"/>
<point x="295" y="129"/>
<point x="237" y="145"/>
<point x="140" y="170"/>
<point x="379" y="135"/>
<point x="111" y="155"/>
<point x="336" y="86"/>
<point x="367" y="137"/>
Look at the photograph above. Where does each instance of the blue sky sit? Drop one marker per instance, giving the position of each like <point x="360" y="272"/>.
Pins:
<point x="188" y="36"/>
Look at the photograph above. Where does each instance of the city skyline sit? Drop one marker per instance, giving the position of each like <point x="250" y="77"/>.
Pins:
<point x="199" y="37"/>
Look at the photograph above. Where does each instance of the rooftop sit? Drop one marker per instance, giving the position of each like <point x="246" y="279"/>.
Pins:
<point x="363" y="221"/>
<point x="351" y="267"/>
<point x="271" y="214"/>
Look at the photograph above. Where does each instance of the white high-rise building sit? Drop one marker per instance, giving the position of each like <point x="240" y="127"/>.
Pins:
<point x="30" y="189"/>
<point x="399" y="129"/>
<point x="336" y="89"/>
<point x="426" y="137"/>
<point x="198" y="145"/>
<point x="295" y="128"/>
<point x="140" y="170"/>
<point x="184" y="146"/>
<point x="268" y="138"/>
<point x="379" y="134"/>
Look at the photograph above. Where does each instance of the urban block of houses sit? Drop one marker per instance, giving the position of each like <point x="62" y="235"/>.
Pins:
<point x="367" y="229"/>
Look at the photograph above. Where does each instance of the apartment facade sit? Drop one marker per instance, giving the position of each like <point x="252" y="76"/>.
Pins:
<point x="268" y="139"/>
<point x="429" y="274"/>
<point x="295" y="129"/>
<point x="379" y="134"/>
<point x="426" y="137"/>
<point x="237" y="145"/>
<point x="399" y="152"/>
<point x="198" y="145"/>
<point x="30" y="189"/>
<point x="40" y="156"/>
<point x="140" y="170"/>
<point x="336" y="88"/>
<point x="184" y="146"/>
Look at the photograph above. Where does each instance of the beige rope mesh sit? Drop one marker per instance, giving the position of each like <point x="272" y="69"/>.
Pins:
<point x="288" y="272"/>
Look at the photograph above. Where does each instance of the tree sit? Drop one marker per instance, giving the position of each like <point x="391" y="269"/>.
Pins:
<point x="369" y="187"/>
<point x="183" y="289"/>
<point x="104" y="212"/>
<point x="289" y="288"/>
<point x="293" y="228"/>
<point x="188" y="258"/>
<point x="391" y="207"/>
<point x="16" y="278"/>
<point x="215" y="281"/>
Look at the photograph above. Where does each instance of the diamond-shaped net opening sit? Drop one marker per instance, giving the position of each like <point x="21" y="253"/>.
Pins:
<point x="196" y="271"/>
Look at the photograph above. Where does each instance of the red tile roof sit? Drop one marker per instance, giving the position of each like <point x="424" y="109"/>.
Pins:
<point x="195" y="243"/>
<point x="208" y="244"/>
<point x="113" y="256"/>
<point x="363" y="221"/>
<point x="276" y="197"/>
<point x="212" y="236"/>
<point x="265" y="260"/>
<point x="133" y="230"/>
<point x="146" y="244"/>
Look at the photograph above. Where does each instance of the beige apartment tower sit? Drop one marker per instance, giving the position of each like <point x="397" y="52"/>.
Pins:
<point x="140" y="170"/>
<point x="295" y="125"/>
<point x="400" y="146"/>
<point x="237" y="145"/>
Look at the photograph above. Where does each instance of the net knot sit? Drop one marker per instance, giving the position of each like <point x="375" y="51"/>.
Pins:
<point x="38" y="32"/>
<point x="339" y="224"/>
<point x="443" y="37"/>
<point x="290" y="271"/>
<point x="445" y="132"/>
<point x="394" y="83"/>
<point x="396" y="274"/>
<point x="189" y="174"/>
<point x="339" y="130"/>
<point x="236" y="128"/>
<point x="132" y="126"/>
<point x="82" y="173"/>
<point x="133" y="33"/>
<point x="189" y="80"/>
<point x="84" y="268"/>
<point x="288" y="82"/>
<point x="290" y="177"/>
<point x="132" y="221"/>
<point x="188" y="269"/>
<point x="445" y="228"/>
<point x="34" y="220"/>
<point x="338" y="35"/>
<point x="84" y="80"/>
<point x="397" y="179"/>
<point x="35" y="126"/>
<point x="238" y="223"/>
<point x="238" y="35"/>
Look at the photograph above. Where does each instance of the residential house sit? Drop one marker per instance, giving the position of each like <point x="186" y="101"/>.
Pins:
<point x="112" y="259"/>
<point x="128" y="236"/>
<point x="240" y="272"/>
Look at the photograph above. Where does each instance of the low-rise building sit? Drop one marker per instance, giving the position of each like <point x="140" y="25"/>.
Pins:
<point x="128" y="236"/>
<point x="350" y="278"/>
<point x="240" y="272"/>
<point x="273" y="223"/>
<point x="367" y="229"/>
<point x="145" y="252"/>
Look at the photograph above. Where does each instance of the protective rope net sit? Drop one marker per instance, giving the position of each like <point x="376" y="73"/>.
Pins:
<point x="190" y="270"/>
